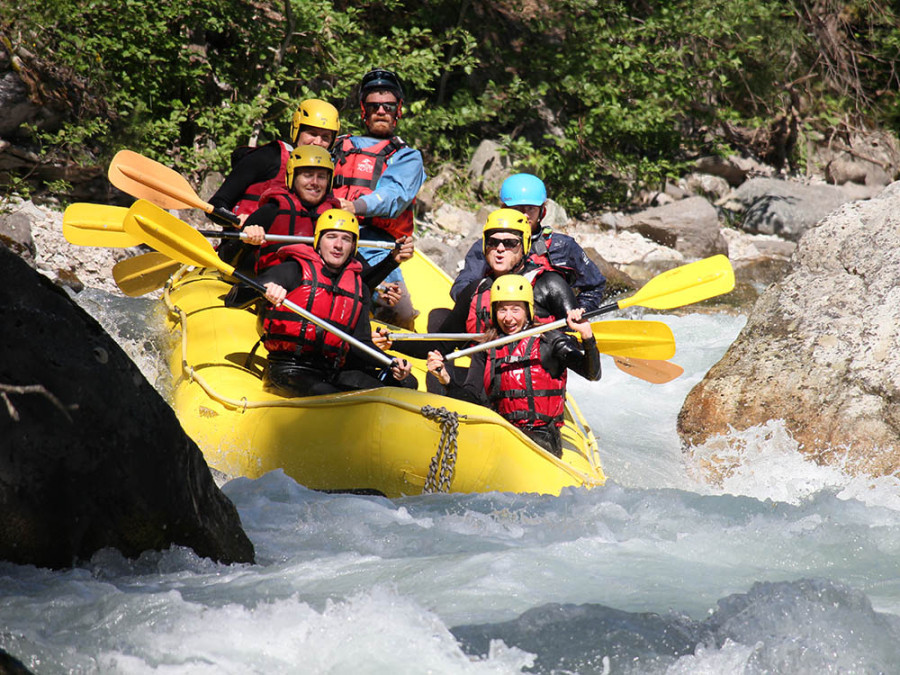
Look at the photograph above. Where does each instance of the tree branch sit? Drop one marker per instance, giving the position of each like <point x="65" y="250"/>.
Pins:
<point x="32" y="389"/>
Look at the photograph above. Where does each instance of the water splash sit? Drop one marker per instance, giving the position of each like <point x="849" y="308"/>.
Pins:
<point x="765" y="462"/>
<point x="137" y="326"/>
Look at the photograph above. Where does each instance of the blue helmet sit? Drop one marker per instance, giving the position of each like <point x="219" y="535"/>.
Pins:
<point x="523" y="189"/>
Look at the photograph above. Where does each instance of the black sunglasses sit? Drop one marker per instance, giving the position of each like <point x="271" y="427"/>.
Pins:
<point x="507" y="243"/>
<point x="389" y="108"/>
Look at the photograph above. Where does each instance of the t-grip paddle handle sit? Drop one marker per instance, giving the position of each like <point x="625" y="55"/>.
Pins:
<point x="222" y="215"/>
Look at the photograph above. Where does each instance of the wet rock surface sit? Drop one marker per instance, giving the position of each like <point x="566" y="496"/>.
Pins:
<point x="92" y="456"/>
<point x="819" y="349"/>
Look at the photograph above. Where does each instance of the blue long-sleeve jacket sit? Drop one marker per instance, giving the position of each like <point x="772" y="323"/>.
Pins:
<point x="565" y="255"/>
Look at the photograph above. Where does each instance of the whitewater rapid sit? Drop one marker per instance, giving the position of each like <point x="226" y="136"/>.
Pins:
<point x="779" y="567"/>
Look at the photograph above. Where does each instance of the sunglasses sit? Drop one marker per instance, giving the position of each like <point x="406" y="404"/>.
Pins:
<point x="507" y="243"/>
<point x="389" y="108"/>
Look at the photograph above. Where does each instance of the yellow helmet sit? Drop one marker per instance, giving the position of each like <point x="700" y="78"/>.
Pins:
<point x="512" y="288"/>
<point x="309" y="155"/>
<point x="314" y="112"/>
<point x="507" y="219"/>
<point x="337" y="219"/>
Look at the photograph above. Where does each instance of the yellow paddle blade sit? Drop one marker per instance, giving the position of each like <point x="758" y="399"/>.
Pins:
<point x="144" y="273"/>
<point x="145" y="178"/>
<point x="685" y="285"/>
<point x="639" y="339"/>
<point x="96" y="225"/>
<point x="162" y="231"/>
<point x="657" y="372"/>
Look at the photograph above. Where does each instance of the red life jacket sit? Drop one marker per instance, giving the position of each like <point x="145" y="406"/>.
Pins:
<point x="249" y="201"/>
<point x="540" y="255"/>
<point x="338" y="299"/>
<point x="356" y="173"/>
<point x="520" y="389"/>
<point x="479" y="317"/>
<point x="293" y="218"/>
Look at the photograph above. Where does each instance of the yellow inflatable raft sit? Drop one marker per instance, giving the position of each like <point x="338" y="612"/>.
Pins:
<point x="389" y="441"/>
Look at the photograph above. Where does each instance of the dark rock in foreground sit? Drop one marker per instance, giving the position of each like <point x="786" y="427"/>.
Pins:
<point x="90" y="455"/>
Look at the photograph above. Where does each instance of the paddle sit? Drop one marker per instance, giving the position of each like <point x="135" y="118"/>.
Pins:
<point x="680" y="286"/>
<point x="88" y="224"/>
<point x="295" y="239"/>
<point x="145" y="178"/>
<point x="657" y="372"/>
<point x="100" y="225"/>
<point x="639" y="339"/>
<point x="178" y="240"/>
<point x="144" y="273"/>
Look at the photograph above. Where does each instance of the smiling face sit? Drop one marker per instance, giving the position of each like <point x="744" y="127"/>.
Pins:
<point x="380" y="119"/>
<point x="512" y="316"/>
<point x="311" y="184"/>
<point x="503" y="251"/>
<point x="336" y="247"/>
<point x="315" y="136"/>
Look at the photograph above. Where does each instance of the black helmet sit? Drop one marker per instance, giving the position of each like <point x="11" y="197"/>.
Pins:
<point x="380" y="78"/>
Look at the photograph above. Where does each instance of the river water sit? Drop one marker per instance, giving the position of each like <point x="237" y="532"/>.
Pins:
<point x="776" y="566"/>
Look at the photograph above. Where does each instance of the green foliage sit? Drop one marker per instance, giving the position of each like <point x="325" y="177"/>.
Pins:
<point x="599" y="98"/>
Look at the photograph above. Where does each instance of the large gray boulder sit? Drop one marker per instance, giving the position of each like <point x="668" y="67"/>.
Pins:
<point x="488" y="168"/>
<point x="821" y="349"/>
<point x="788" y="208"/>
<point x="690" y="226"/>
<point x="90" y="455"/>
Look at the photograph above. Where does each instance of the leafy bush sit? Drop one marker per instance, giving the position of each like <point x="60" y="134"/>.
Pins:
<point x="599" y="98"/>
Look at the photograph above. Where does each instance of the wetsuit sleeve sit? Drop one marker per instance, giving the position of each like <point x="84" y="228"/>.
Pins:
<point x="560" y="351"/>
<point x="363" y="333"/>
<point x="553" y="297"/>
<point x="472" y="389"/>
<point x="397" y="187"/>
<point x="263" y="216"/>
<point x="259" y="165"/>
<point x="372" y="275"/>
<point x="357" y="360"/>
<point x="565" y="252"/>
<point x="474" y="268"/>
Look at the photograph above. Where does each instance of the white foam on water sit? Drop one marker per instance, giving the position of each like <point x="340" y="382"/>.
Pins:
<point x="373" y="632"/>
<point x="765" y="462"/>
<point x="730" y="658"/>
